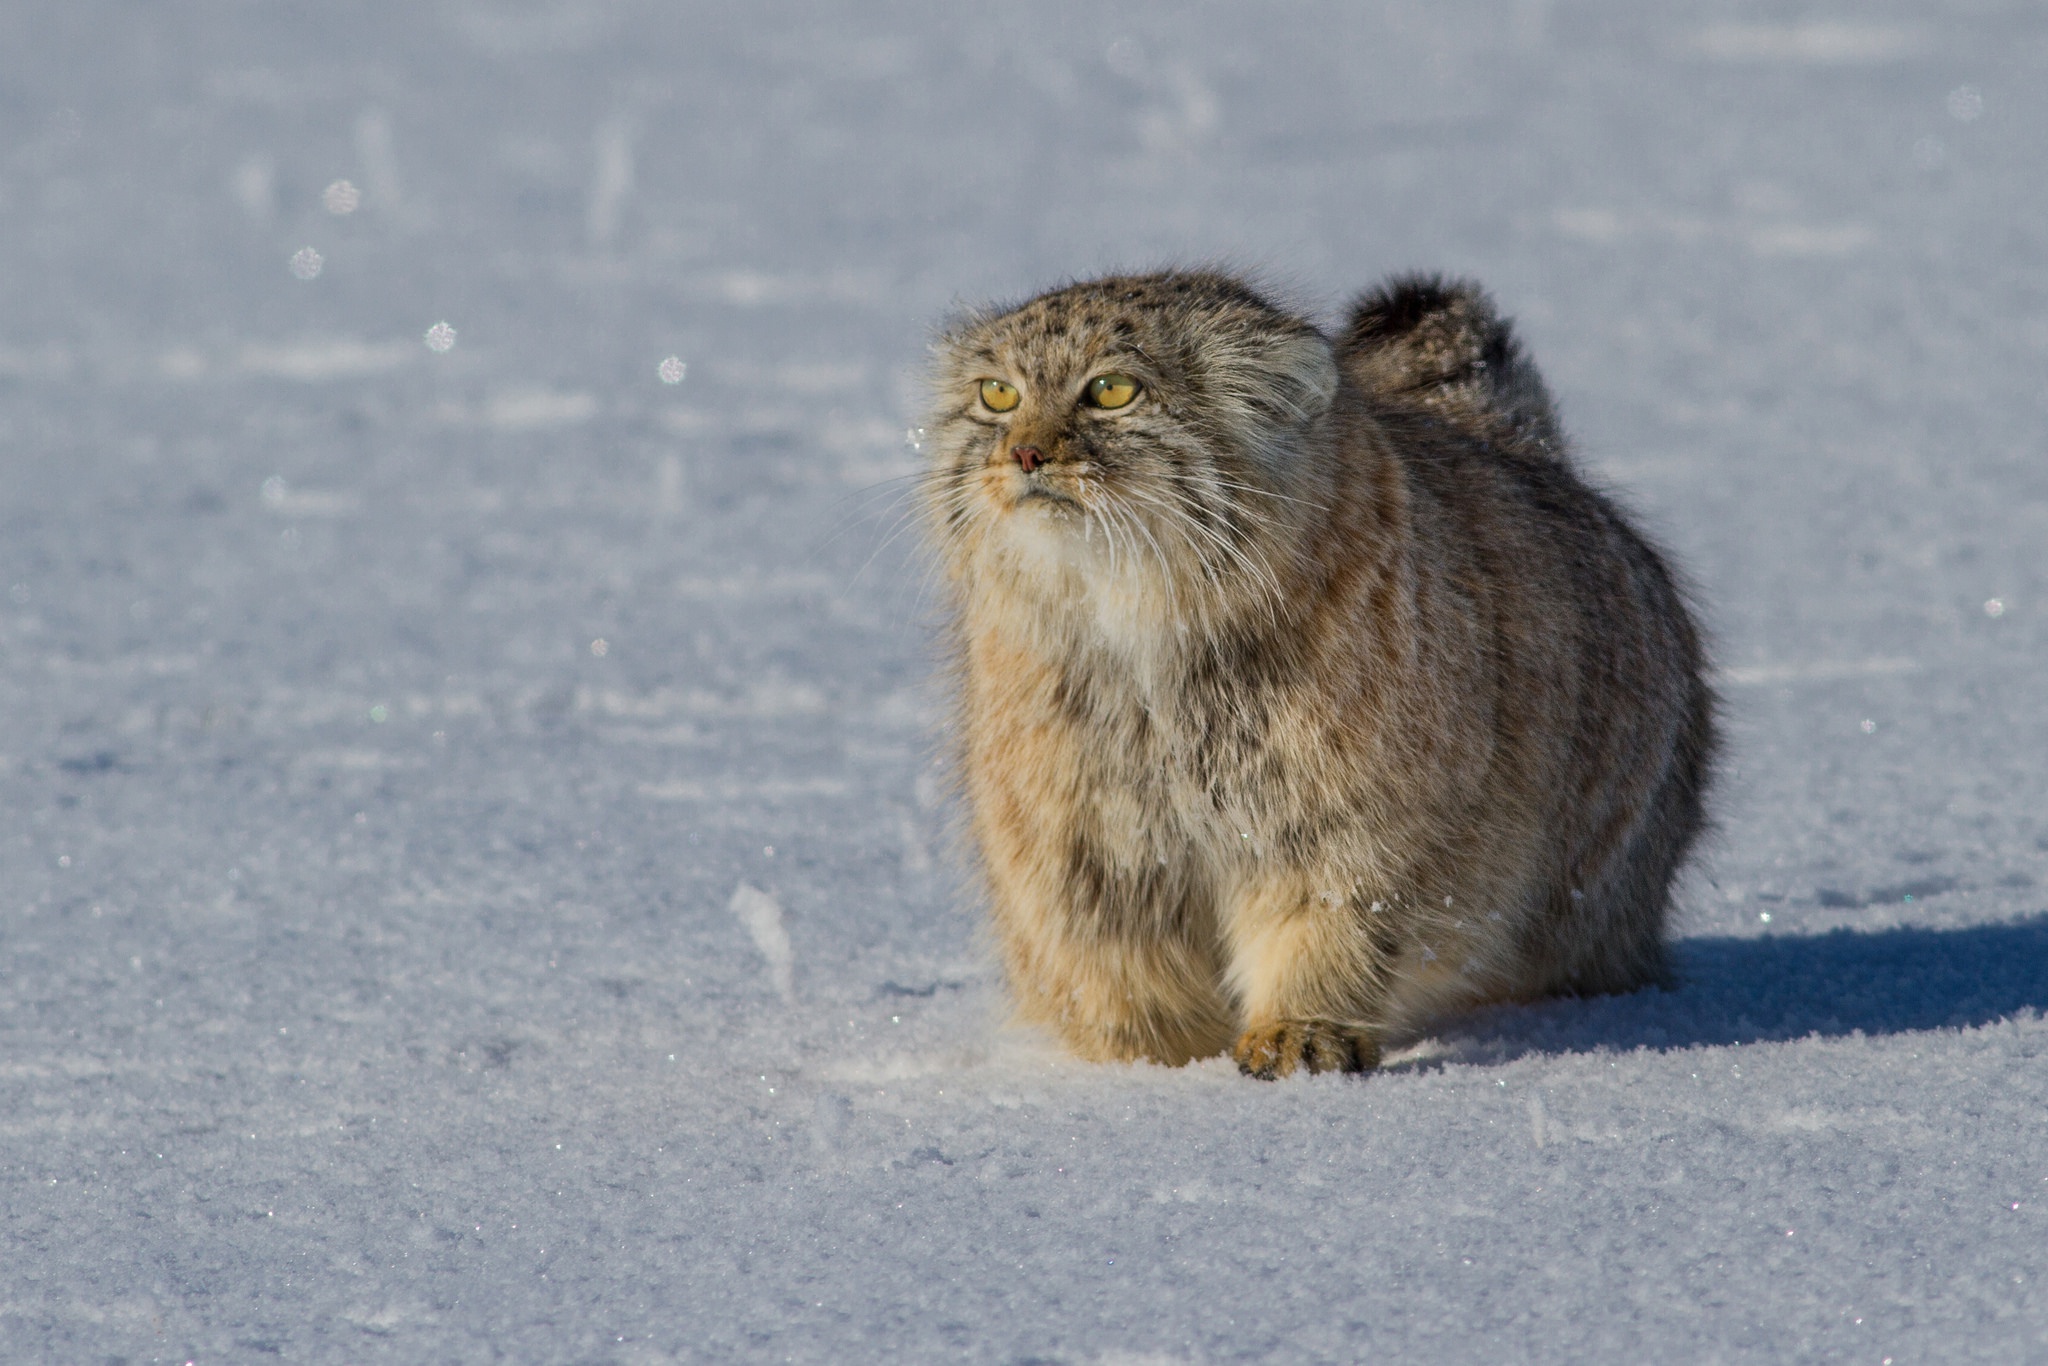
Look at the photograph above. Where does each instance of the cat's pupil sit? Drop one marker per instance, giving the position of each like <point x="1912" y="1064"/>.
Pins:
<point x="1112" y="391"/>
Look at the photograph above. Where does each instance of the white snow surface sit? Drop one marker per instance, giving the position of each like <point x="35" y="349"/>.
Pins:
<point x="478" y="882"/>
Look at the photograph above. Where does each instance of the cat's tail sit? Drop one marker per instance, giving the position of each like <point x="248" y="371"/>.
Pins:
<point x="1422" y="342"/>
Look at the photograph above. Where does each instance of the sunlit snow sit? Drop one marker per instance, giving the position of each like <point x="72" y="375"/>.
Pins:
<point x="483" y="881"/>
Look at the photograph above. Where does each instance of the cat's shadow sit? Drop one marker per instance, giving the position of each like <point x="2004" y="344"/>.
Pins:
<point x="1758" y="990"/>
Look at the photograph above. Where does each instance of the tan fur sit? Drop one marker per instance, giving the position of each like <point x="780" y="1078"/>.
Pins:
<point x="1313" y="695"/>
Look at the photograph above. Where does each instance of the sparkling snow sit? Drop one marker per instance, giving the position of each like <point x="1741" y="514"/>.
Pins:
<point x="478" y="881"/>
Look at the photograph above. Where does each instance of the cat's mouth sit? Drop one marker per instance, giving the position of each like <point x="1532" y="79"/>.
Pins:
<point x="1035" y="492"/>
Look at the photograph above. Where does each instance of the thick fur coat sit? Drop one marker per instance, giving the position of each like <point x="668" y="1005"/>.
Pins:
<point x="1308" y="693"/>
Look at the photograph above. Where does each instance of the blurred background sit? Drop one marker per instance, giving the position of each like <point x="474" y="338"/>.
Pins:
<point x="465" y="683"/>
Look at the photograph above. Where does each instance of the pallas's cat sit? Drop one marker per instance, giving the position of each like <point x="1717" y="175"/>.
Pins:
<point x="1305" y="691"/>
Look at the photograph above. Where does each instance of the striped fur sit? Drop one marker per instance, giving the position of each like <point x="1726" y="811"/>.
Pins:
<point x="1313" y="695"/>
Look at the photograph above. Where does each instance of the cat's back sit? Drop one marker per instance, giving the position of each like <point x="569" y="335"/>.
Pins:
<point x="1604" y="719"/>
<point x="1446" y="386"/>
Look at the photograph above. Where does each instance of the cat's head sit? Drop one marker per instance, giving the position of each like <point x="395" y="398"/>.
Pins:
<point x="1143" y="431"/>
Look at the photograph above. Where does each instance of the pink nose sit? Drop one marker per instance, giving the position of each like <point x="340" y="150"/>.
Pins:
<point x="1030" y="457"/>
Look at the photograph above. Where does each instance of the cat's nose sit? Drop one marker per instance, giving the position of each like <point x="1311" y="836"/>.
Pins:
<point x="1030" y="457"/>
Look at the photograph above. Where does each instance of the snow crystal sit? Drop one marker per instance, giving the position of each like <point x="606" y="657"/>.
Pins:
<point x="430" y="775"/>
<point x="340" y="198"/>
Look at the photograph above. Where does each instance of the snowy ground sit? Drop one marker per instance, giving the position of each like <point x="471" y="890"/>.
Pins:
<point x="390" y="971"/>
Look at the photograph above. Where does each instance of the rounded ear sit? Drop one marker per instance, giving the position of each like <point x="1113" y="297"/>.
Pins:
<point x="1304" y="375"/>
<point x="1272" y="386"/>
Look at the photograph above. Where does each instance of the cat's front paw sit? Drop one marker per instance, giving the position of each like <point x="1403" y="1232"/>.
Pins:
<point x="1279" y="1048"/>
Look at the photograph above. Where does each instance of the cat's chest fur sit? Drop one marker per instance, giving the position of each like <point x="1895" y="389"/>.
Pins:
<point x="1166" y="747"/>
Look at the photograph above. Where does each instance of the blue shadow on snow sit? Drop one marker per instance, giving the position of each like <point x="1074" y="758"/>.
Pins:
<point x="1757" y="990"/>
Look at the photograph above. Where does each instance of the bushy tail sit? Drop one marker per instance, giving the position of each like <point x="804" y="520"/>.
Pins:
<point x="1424" y="343"/>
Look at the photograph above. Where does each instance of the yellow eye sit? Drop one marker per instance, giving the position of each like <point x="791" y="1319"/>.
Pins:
<point x="1111" y="391"/>
<point x="997" y="396"/>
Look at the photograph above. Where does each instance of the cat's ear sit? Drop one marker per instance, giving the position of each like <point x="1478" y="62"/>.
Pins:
<point x="1270" y="385"/>
<point x="1303" y="376"/>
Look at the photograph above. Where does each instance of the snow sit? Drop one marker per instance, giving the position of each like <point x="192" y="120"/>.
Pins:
<point x="387" y="972"/>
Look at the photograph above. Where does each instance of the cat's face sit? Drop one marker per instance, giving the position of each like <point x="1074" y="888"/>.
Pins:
<point x="1140" y="427"/>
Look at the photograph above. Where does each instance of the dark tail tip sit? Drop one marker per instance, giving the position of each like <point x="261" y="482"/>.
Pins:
<point x="1405" y="302"/>
<point x="1424" y="341"/>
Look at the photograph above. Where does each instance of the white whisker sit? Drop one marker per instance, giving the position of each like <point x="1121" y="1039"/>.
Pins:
<point x="1195" y="535"/>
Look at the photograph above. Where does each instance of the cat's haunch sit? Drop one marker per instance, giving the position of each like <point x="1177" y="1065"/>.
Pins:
<point x="1305" y="692"/>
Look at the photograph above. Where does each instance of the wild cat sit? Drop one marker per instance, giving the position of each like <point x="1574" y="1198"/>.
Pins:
<point x="1305" y="692"/>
